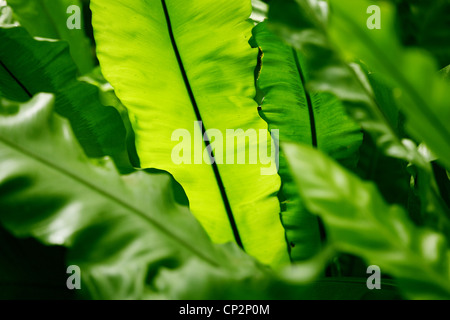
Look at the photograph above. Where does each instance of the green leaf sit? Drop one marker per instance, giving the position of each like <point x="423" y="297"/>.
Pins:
<point x="48" y="19"/>
<point x="129" y="238"/>
<point x="360" y="222"/>
<point x="412" y="73"/>
<point x="29" y="66"/>
<point x="425" y="24"/>
<point x="304" y="25"/>
<point x="173" y="63"/>
<point x="126" y="233"/>
<point x="420" y="92"/>
<point x="390" y="174"/>
<point x="118" y="229"/>
<point x="301" y="115"/>
<point x="109" y="98"/>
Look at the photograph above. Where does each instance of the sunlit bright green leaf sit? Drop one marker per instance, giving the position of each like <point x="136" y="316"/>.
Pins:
<point x="173" y="63"/>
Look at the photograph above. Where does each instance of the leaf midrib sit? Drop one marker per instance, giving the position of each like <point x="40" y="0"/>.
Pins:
<point x="309" y="103"/>
<point x="94" y="187"/>
<point x="24" y="88"/>
<point x="207" y="142"/>
<point x="129" y="207"/>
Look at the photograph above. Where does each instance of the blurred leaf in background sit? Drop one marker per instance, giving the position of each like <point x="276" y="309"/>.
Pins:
<point x="420" y="92"/>
<point x="359" y="221"/>
<point x="48" y="19"/>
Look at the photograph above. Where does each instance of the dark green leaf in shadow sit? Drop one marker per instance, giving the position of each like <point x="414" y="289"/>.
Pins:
<point x="48" y="19"/>
<point x="108" y="98"/>
<point x="300" y="115"/>
<point x="303" y="25"/>
<point x="29" y="66"/>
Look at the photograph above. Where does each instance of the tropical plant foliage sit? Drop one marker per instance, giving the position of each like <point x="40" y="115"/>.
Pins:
<point x="360" y="117"/>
